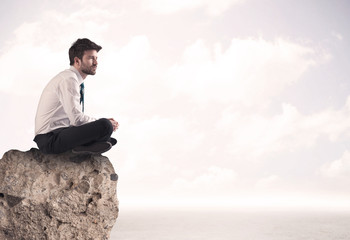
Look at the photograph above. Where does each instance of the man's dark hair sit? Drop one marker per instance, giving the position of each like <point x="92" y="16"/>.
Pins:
<point x="79" y="47"/>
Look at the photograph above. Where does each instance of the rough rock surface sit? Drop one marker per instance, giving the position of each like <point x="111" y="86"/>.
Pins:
<point x="63" y="196"/>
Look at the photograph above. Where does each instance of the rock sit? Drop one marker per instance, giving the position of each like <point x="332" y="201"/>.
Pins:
<point x="63" y="196"/>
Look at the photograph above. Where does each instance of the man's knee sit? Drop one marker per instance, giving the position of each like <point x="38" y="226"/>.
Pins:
<point x="106" y="125"/>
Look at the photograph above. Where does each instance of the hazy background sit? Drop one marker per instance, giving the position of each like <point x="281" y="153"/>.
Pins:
<point x="226" y="103"/>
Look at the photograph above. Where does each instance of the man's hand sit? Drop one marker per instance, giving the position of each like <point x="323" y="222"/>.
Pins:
<point x="115" y="124"/>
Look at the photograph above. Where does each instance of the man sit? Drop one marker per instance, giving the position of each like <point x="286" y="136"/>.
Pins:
<point x="60" y="123"/>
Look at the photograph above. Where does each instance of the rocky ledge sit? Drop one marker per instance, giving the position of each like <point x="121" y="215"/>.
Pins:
<point x="63" y="196"/>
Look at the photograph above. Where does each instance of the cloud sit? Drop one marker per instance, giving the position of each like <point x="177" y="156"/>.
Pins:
<point x="337" y="35"/>
<point x="253" y="135"/>
<point x="242" y="81"/>
<point x="25" y="69"/>
<point x="267" y="182"/>
<point x="339" y="168"/>
<point x="213" y="178"/>
<point x="248" y="71"/>
<point x="172" y="6"/>
<point x="217" y="96"/>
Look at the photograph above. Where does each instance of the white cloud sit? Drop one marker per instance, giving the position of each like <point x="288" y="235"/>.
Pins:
<point x="337" y="35"/>
<point x="213" y="178"/>
<point x="267" y="182"/>
<point x="154" y="146"/>
<point x="246" y="131"/>
<point x="253" y="135"/>
<point x="248" y="71"/>
<point x="25" y="68"/>
<point x="339" y="168"/>
<point x="171" y="6"/>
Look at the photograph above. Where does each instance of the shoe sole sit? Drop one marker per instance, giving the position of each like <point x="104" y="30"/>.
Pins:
<point x="107" y="146"/>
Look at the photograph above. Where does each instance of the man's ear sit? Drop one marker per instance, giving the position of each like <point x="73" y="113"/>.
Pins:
<point x="77" y="61"/>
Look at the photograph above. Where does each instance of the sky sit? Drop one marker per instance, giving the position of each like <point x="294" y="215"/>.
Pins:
<point x="221" y="104"/>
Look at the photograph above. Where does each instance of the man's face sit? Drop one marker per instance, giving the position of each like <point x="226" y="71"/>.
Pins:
<point x="89" y="62"/>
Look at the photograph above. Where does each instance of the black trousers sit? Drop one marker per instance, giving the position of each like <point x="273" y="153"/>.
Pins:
<point x="63" y="139"/>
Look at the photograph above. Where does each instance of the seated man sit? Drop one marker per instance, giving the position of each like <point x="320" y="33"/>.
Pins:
<point x="60" y="122"/>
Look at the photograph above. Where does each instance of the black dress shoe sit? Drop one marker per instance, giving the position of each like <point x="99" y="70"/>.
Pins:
<point x="95" y="148"/>
<point x="113" y="141"/>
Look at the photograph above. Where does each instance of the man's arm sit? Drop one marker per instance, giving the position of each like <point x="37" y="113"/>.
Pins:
<point x="70" y="98"/>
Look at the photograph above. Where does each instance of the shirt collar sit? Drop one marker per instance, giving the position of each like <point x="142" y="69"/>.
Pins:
<point x="80" y="79"/>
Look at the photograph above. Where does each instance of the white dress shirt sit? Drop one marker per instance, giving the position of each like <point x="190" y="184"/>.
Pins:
<point x="59" y="104"/>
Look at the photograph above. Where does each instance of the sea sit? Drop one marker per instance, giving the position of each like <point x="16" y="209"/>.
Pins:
<point x="231" y="225"/>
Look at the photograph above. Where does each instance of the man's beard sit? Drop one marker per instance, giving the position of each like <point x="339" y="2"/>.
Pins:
<point x="89" y="70"/>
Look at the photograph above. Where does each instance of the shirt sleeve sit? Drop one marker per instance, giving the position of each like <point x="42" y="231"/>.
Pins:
<point x="69" y="96"/>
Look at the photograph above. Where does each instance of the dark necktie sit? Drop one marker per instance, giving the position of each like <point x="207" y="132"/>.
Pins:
<point x="82" y="95"/>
